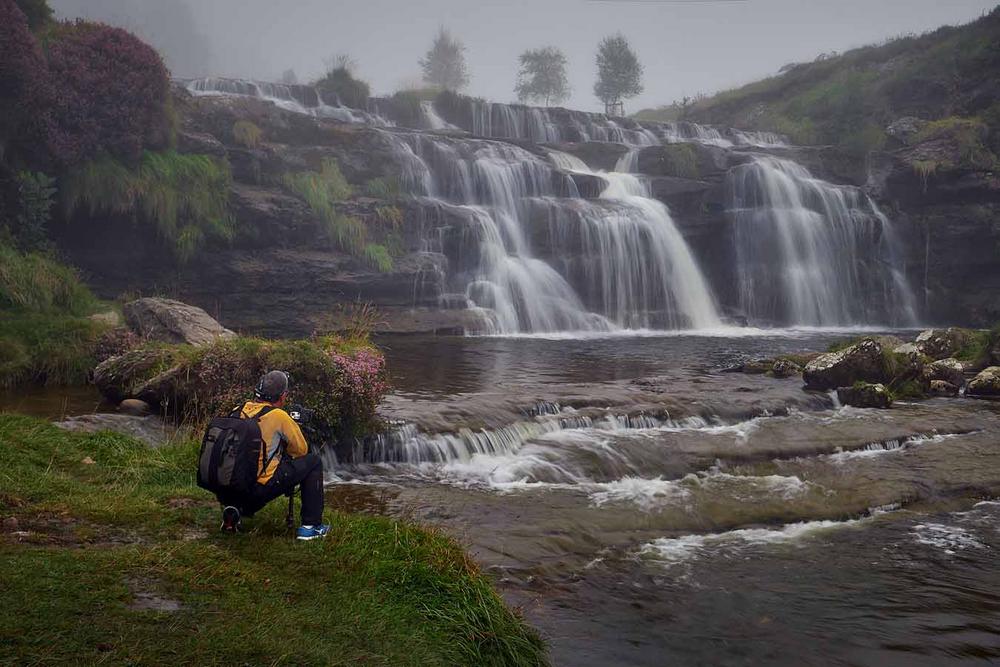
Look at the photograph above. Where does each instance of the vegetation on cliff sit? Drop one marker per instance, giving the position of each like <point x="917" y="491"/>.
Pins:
<point x="111" y="555"/>
<point x="850" y="99"/>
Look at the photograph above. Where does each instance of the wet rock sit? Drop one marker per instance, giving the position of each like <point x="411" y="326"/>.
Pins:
<point x="905" y="129"/>
<point x="173" y="322"/>
<point x="116" y="377"/>
<point x="861" y="362"/>
<point x="943" y="388"/>
<point x="756" y="366"/>
<point x="135" y="407"/>
<point x="949" y="370"/>
<point x="942" y="343"/>
<point x="865" y="395"/>
<point x="150" y="430"/>
<point x="783" y="368"/>
<point x="987" y="383"/>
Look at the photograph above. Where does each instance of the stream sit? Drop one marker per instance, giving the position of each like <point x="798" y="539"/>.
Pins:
<point x="644" y="508"/>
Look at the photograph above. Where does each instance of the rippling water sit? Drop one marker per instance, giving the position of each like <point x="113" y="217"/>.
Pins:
<point x="646" y="509"/>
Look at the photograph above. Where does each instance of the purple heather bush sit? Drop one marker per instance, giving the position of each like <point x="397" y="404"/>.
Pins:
<point x="110" y="92"/>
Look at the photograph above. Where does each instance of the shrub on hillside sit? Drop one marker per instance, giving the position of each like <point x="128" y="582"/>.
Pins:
<point x="340" y="85"/>
<point x="37" y="12"/>
<point x="343" y="380"/>
<point x="24" y="89"/>
<point x="109" y="93"/>
<point x="38" y="283"/>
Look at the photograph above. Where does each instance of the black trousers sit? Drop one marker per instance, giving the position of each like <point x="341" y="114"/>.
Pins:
<point x="305" y="471"/>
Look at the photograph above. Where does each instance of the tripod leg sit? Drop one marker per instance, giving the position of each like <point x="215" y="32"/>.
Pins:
<point x="290" y="517"/>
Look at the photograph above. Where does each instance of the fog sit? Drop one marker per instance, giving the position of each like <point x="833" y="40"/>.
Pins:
<point x="687" y="46"/>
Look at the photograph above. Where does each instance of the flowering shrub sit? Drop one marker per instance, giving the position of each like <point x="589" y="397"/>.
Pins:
<point x="24" y="90"/>
<point x="109" y="90"/>
<point x="365" y="377"/>
<point x="344" y="382"/>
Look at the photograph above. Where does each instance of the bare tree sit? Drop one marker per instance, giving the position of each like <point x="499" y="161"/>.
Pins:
<point x="542" y="76"/>
<point x="444" y="64"/>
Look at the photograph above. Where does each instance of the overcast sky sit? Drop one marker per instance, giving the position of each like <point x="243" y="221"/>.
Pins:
<point x="686" y="46"/>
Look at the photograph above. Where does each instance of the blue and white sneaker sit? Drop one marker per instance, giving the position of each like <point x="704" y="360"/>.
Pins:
<point x="312" y="532"/>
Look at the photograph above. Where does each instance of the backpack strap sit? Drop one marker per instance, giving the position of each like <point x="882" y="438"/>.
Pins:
<point x="263" y="411"/>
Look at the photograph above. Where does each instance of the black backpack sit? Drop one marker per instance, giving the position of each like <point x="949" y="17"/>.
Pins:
<point x="230" y="454"/>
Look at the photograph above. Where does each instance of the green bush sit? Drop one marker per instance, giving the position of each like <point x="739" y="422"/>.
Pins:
<point x="247" y="134"/>
<point x="340" y="84"/>
<point x="198" y="382"/>
<point x="184" y="197"/>
<point x="383" y="187"/>
<point x="680" y="160"/>
<point x="28" y="223"/>
<point x="968" y="135"/>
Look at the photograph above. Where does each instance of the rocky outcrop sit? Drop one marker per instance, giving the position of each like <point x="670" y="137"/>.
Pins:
<point x="860" y="362"/>
<point x="942" y="388"/>
<point x="865" y="395"/>
<point x="950" y="371"/>
<point x="986" y="383"/>
<point x="170" y="321"/>
<point x="784" y="368"/>
<point x="942" y="343"/>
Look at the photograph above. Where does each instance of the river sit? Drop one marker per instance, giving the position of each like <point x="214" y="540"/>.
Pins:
<point x="644" y="508"/>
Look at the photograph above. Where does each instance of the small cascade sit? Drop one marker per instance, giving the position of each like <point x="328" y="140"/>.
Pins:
<point x="296" y="98"/>
<point x="431" y="118"/>
<point x="813" y="253"/>
<point x="543" y="125"/>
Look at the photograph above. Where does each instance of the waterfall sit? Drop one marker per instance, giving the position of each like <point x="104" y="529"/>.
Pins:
<point x="635" y="262"/>
<point x="295" y="98"/>
<point x="431" y="118"/>
<point x="510" y="121"/>
<point x="810" y="252"/>
<point x="630" y="266"/>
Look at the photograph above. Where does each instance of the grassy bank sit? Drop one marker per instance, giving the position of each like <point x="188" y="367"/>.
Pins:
<point x="105" y="524"/>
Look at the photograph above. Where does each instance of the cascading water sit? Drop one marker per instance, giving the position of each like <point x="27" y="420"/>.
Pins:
<point x="632" y="262"/>
<point x="507" y="121"/>
<point x="810" y="252"/>
<point x="632" y="267"/>
<point x="298" y="99"/>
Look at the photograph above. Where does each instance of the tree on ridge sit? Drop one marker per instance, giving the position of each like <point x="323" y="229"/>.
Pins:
<point x="619" y="73"/>
<point x="444" y="64"/>
<point x="542" y="76"/>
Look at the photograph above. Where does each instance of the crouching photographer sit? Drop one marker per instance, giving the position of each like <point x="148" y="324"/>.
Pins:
<point x="259" y="453"/>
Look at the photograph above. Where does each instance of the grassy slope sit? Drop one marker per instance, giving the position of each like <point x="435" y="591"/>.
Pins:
<point x="848" y="99"/>
<point x="377" y="592"/>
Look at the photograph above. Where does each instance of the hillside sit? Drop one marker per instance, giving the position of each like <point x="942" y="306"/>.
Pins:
<point x="851" y="99"/>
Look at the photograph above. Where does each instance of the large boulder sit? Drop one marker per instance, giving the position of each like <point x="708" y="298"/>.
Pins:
<point x="942" y="343"/>
<point x="987" y="383"/>
<point x="785" y="368"/>
<point x="942" y="388"/>
<point x="865" y="395"/>
<point x="949" y="370"/>
<point x="861" y="362"/>
<point x="172" y="321"/>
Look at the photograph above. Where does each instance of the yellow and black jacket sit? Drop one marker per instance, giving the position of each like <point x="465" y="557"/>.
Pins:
<point x="277" y="429"/>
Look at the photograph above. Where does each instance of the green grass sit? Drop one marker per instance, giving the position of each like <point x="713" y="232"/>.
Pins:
<point x="848" y="99"/>
<point x="46" y="348"/>
<point x="247" y="134"/>
<point x="377" y="591"/>
<point x="680" y="160"/>
<point x="185" y="198"/>
<point x="38" y="282"/>
<point x="45" y="336"/>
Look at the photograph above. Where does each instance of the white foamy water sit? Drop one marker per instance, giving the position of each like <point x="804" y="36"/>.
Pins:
<point x="678" y="549"/>
<point x="948" y="539"/>
<point x="875" y="449"/>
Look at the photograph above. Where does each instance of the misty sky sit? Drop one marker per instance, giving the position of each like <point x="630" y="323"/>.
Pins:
<point x="687" y="46"/>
